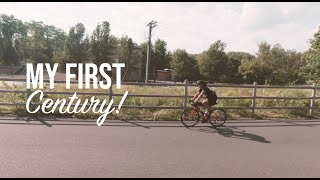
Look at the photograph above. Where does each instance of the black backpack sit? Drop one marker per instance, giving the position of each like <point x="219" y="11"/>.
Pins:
<point x="214" y="96"/>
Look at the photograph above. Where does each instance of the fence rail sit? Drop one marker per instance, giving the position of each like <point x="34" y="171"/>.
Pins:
<point x="184" y="97"/>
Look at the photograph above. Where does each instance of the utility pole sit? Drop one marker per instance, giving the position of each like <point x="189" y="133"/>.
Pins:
<point x="151" y="25"/>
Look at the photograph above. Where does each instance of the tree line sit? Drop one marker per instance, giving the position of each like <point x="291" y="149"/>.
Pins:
<point x="37" y="42"/>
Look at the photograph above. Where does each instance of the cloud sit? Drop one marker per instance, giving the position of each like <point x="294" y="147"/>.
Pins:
<point x="290" y="24"/>
<point x="257" y="16"/>
<point x="192" y="26"/>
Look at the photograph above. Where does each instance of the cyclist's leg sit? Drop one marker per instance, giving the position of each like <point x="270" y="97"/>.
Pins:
<point x="205" y="103"/>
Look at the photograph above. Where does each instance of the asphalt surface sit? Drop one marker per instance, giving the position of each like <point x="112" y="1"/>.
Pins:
<point x="79" y="148"/>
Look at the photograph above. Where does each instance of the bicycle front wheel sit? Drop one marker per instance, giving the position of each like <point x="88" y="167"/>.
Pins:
<point x="218" y="117"/>
<point x="190" y="117"/>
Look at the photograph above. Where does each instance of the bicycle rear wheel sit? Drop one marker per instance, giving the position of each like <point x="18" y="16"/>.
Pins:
<point x="218" y="117"/>
<point x="190" y="117"/>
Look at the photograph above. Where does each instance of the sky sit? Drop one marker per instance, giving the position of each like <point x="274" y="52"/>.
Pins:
<point x="192" y="26"/>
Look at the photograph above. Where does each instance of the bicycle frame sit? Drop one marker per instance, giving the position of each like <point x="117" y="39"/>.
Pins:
<point x="197" y="108"/>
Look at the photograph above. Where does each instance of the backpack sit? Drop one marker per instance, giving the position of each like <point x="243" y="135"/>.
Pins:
<point x="214" y="96"/>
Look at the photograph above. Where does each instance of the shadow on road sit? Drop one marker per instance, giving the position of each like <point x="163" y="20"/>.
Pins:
<point x="229" y="132"/>
<point x="136" y="124"/>
<point x="232" y="132"/>
<point x="52" y="121"/>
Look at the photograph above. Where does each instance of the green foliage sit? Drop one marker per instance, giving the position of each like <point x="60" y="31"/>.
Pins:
<point x="184" y="66"/>
<point x="128" y="53"/>
<point x="31" y="40"/>
<point x="143" y="57"/>
<point x="76" y="47"/>
<point x="21" y="98"/>
<point x="240" y="56"/>
<point x="312" y="69"/>
<point x="161" y="57"/>
<point x="15" y="98"/>
<point x="273" y="65"/>
<point x="11" y="30"/>
<point x="102" y="44"/>
<point x="214" y="63"/>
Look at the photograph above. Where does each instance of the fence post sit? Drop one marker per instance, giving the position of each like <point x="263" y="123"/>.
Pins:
<point x="185" y="93"/>
<point x="313" y="98"/>
<point x="110" y="93"/>
<point x="28" y="95"/>
<point x="254" y="95"/>
<point x="11" y="70"/>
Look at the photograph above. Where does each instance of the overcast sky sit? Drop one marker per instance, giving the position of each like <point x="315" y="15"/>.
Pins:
<point x="192" y="26"/>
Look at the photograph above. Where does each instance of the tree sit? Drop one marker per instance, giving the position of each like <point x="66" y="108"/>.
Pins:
<point x="213" y="62"/>
<point x="102" y="45"/>
<point x="169" y="59"/>
<point x="232" y="67"/>
<point x="11" y="30"/>
<point x="273" y="65"/>
<point x="312" y="69"/>
<point x="41" y="42"/>
<point x="296" y="62"/>
<point x="128" y="53"/>
<point x="254" y="71"/>
<point x="240" y="56"/>
<point x="76" y="46"/>
<point x="235" y="63"/>
<point x="161" y="57"/>
<point x="59" y="39"/>
<point x="263" y="68"/>
<point x="184" y="66"/>
<point x="258" y="69"/>
<point x="1" y="50"/>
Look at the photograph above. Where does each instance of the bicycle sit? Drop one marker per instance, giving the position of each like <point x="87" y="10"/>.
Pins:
<point x="190" y="116"/>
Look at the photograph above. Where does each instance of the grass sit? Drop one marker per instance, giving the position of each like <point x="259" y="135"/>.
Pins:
<point x="170" y="114"/>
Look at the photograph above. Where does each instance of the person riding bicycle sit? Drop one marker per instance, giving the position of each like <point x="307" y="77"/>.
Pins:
<point x="204" y="90"/>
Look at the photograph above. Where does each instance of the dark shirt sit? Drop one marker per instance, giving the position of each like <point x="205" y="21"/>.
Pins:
<point x="208" y="92"/>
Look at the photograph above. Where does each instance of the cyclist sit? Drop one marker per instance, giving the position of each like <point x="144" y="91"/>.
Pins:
<point x="210" y="95"/>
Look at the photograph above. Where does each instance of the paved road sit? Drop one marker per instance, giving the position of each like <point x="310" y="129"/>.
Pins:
<point x="79" y="148"/>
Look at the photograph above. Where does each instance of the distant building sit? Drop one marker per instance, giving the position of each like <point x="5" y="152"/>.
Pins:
<point x="163" y="75"/>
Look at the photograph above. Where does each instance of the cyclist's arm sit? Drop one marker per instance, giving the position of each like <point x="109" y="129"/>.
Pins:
<point x="200" y="95"/>
<point x="195" y="96"/>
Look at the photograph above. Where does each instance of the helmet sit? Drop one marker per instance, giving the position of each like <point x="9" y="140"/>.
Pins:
<point x="201" y="82"/>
